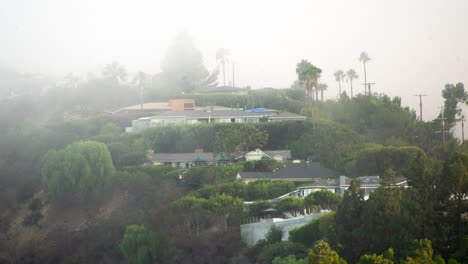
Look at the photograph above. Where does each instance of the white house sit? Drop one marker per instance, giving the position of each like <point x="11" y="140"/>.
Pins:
<point x="199" y="157"/>
<point x="190" y="117"/>
<point x="279" y="155"/>
<point x="368" y="183"/>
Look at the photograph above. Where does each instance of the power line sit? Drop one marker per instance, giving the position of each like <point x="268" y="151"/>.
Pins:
<point x="420" y="105"/>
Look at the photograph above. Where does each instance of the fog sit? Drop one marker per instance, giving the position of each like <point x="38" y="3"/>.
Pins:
<point x="415" y="46"/>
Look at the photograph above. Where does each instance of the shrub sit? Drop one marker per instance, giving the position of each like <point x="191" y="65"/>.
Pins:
<point x="32" y="218"/>
<point x="283" y="249"/>
<point x="141" y="245"/>
<point x="258" y="206"/>
<point x="318" y="229"/>
<point x="274" y="235"/>
<point x="35" y="205"/>
<point x="291" y="259"/>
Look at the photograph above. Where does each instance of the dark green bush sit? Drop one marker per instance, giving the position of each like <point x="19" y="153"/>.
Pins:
<point x="315" y="230"/>
<point x="275" y="234"/>
<point x="283" y="249"/>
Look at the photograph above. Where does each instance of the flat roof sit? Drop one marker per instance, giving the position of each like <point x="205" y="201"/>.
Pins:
<point x="208" y="114"/>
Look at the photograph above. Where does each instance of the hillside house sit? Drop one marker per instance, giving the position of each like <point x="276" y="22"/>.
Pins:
<point x="279" y="155"/>
<point x="338" y="185"/>
<point x="199" y="157"/>
<point x="290" y="172"/>
<point x="187" y="117"/>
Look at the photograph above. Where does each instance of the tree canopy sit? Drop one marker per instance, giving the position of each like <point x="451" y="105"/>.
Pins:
<point x="183" y="66"/>
<point x="82" y="167"/>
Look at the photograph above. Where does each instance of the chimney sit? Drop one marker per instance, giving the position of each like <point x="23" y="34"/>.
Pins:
<point x="342" y="183"/>
<point x="342" y="180"/>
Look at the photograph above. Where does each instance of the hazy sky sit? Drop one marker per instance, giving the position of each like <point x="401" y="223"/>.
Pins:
<point x="416" y="46"/>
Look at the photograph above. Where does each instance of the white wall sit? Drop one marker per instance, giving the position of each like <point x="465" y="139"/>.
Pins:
<point x="251" y="233"/>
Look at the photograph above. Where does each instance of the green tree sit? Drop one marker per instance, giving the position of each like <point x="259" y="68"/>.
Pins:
<point x="322" y="87"/>
<point x="348" y="221"/>
<point x="230" y="140"/>
<point x="380" y="219"/>
<point x="374" y="259"/>
<point x="321" y="253"/>
<point x="228" y="207"/>
<point x="364" y="58"/>
<point x="83" y="167"/>
<point x="141" y="245"/>
<point x="291" y="204"/>
<point x="267" y="189"/>
<point x="190" y="216"/>
<point x="454" y="190"/>
<point x="227" y="142"/>
<point x="296" y="92"/>
<point x="198" y="176"/>
<point x="453" y="94"/>
<point x="252" y="138"/>
<point x="235" y="189"/>
<point x="351" y="73"/>
<point x="376" y="159"/>
<point x="257" y="207"/>
<point x="330" y="143"/>
<point x="323" y="199"/>
<point x="420" y="202"/>
<point x="282" y="249"/>
<point x="308" y="74"/>
<point x="291" y="259"/>
<point x="422" y="253"/>
<point x="339" y="77"/>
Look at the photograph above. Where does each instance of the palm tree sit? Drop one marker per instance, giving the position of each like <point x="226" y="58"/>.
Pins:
<point x="140" y="81"/>
<point x="364" y="58"/>
<point x="351" y="75"/>
<point x="115" y="71"/>
<point x="339" y="77"/>
<point x="308" y="74"/>
<point x="322" y="87"/>
<point x="222" y="57"/>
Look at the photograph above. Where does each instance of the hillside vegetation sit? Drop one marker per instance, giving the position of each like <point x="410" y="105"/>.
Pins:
<point x="73" y="189"/>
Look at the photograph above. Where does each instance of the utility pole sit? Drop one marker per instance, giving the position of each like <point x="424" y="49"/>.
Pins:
<point x="443" y="131"/>
<point x="420" y="105"/>
<point x="368" y="86"/>
<point x="233" y="83"/>
<point x="463" y="129"/>
<point x="462" y="119"/>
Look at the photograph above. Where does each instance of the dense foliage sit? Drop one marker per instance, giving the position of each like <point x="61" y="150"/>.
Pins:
<point x="141" y="245"/>
<point x="82" y="167"/>
<point x="56" y="146"/>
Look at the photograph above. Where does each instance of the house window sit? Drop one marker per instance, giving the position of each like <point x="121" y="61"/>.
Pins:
<point x="188" y="105"/>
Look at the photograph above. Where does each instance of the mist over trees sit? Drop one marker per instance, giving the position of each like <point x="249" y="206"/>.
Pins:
<point x="75" y="188"/>
<point x="183" y="67"/>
